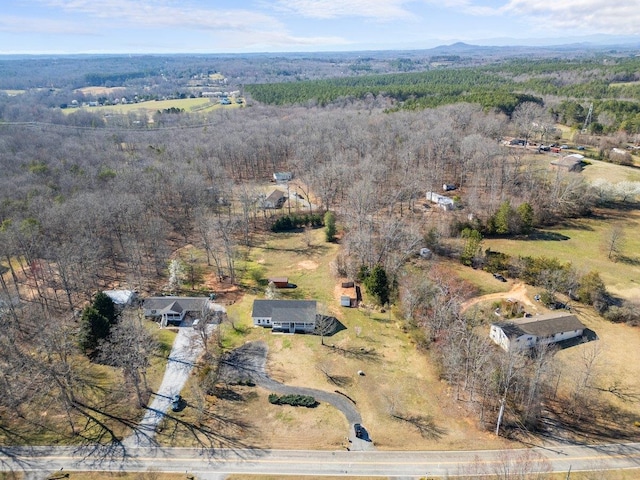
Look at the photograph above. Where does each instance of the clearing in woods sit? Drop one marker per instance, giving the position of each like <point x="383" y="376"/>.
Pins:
<point x="398" y="381"/>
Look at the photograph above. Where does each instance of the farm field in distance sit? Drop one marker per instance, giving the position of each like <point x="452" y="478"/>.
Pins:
<point x="152" y="106"/>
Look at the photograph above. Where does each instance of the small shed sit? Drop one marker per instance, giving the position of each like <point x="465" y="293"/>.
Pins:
<point x="279" y="282"/>
<point x="349" y="294"/>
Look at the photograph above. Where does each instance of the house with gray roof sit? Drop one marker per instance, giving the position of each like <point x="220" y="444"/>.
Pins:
<point x="275" y="199"/>
<point x="282" y="177"/>
<point x="290" y="316"/>
<point x="524" y="333"/>
<point x="569" y="163"/>
<point x="172" y="310"/>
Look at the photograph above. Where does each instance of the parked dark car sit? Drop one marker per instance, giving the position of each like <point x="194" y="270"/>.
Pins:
<point x="176" y="403"/>
<point x="359" y="430"/>
<point x="497" y="276"/>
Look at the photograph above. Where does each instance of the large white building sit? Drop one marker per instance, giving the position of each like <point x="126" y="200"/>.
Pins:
<point x="524" y="333"/>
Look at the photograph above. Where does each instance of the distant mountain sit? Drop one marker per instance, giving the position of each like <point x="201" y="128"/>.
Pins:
<point x="521" y="47"/>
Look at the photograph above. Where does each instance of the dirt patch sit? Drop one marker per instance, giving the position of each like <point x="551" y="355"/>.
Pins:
<point x="518" y="293"/>
<point x="308" y="265"/>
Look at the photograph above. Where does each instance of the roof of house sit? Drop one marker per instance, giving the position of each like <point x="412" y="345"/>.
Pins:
<point x="275" y="196"/>
<point x="285" y="310"/>
<point x="541" y="325"/>
<point x="120" y="297"/>
<point x="174" y="304"/>
<point x="568" y="161"/>
<point x="282" y="175"/>
<point x="279" y="279"/>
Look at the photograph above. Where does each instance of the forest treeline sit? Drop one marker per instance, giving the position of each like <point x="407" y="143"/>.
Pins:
<point x="610" y="84"/>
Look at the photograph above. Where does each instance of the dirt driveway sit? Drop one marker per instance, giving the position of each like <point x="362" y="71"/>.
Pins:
<point x="518" y="292"/>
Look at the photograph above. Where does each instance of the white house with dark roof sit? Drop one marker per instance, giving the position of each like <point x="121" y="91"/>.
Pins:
<point x="291" y="316"/>
<point x="173" y="309"/>
<point x="524" y="333"/>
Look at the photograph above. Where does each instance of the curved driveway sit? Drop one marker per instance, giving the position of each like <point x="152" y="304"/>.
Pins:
<point x="249" y="363"/>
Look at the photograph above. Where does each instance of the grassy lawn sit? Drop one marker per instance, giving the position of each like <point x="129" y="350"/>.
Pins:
<point x="582" y="242"/>
<point x="483" y="281"/>
<point x="397" y="378"/>
<point x="610" y="172"/>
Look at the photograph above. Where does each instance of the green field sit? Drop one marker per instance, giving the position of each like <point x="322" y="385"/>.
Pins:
<point x="611" y="172"/>
<point x="582" y="242"/>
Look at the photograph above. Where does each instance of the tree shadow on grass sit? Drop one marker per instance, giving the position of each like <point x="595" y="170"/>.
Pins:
<point x="586" y="423"/>
<point x="633" y="261"/>
<point x="360" y="353"/>
<point x="546" y="235"/>
<point x="424" y="423"/>
<point x="210" y="432"/>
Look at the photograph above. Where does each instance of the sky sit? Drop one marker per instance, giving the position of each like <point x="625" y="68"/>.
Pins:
<point x="245" y="26"/>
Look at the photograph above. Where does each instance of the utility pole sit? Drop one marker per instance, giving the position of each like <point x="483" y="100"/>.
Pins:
<point x="587" y="121"/>
<point x="500" y="414"/>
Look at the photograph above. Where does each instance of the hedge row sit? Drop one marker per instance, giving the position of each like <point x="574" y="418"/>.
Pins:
<point x="293" y="400"/>
<point x="291" y="222"/>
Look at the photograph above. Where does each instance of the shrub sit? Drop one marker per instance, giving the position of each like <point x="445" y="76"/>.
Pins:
<point x="291" y="222"/>
<point x="293" y="400"/>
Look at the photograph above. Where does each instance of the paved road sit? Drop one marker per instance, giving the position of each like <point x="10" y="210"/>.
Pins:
<point x="207" y="464"/>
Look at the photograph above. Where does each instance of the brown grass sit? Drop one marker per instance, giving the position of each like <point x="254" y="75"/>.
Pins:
<point x="398" y="379"/>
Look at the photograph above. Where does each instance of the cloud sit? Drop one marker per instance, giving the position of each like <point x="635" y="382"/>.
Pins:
<point x="17" y="24"/>
<point x="161" y="13"/>
<point x="276" y="41"/>
<point x="595" y="16"/>
<point x="330" y="9"/>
